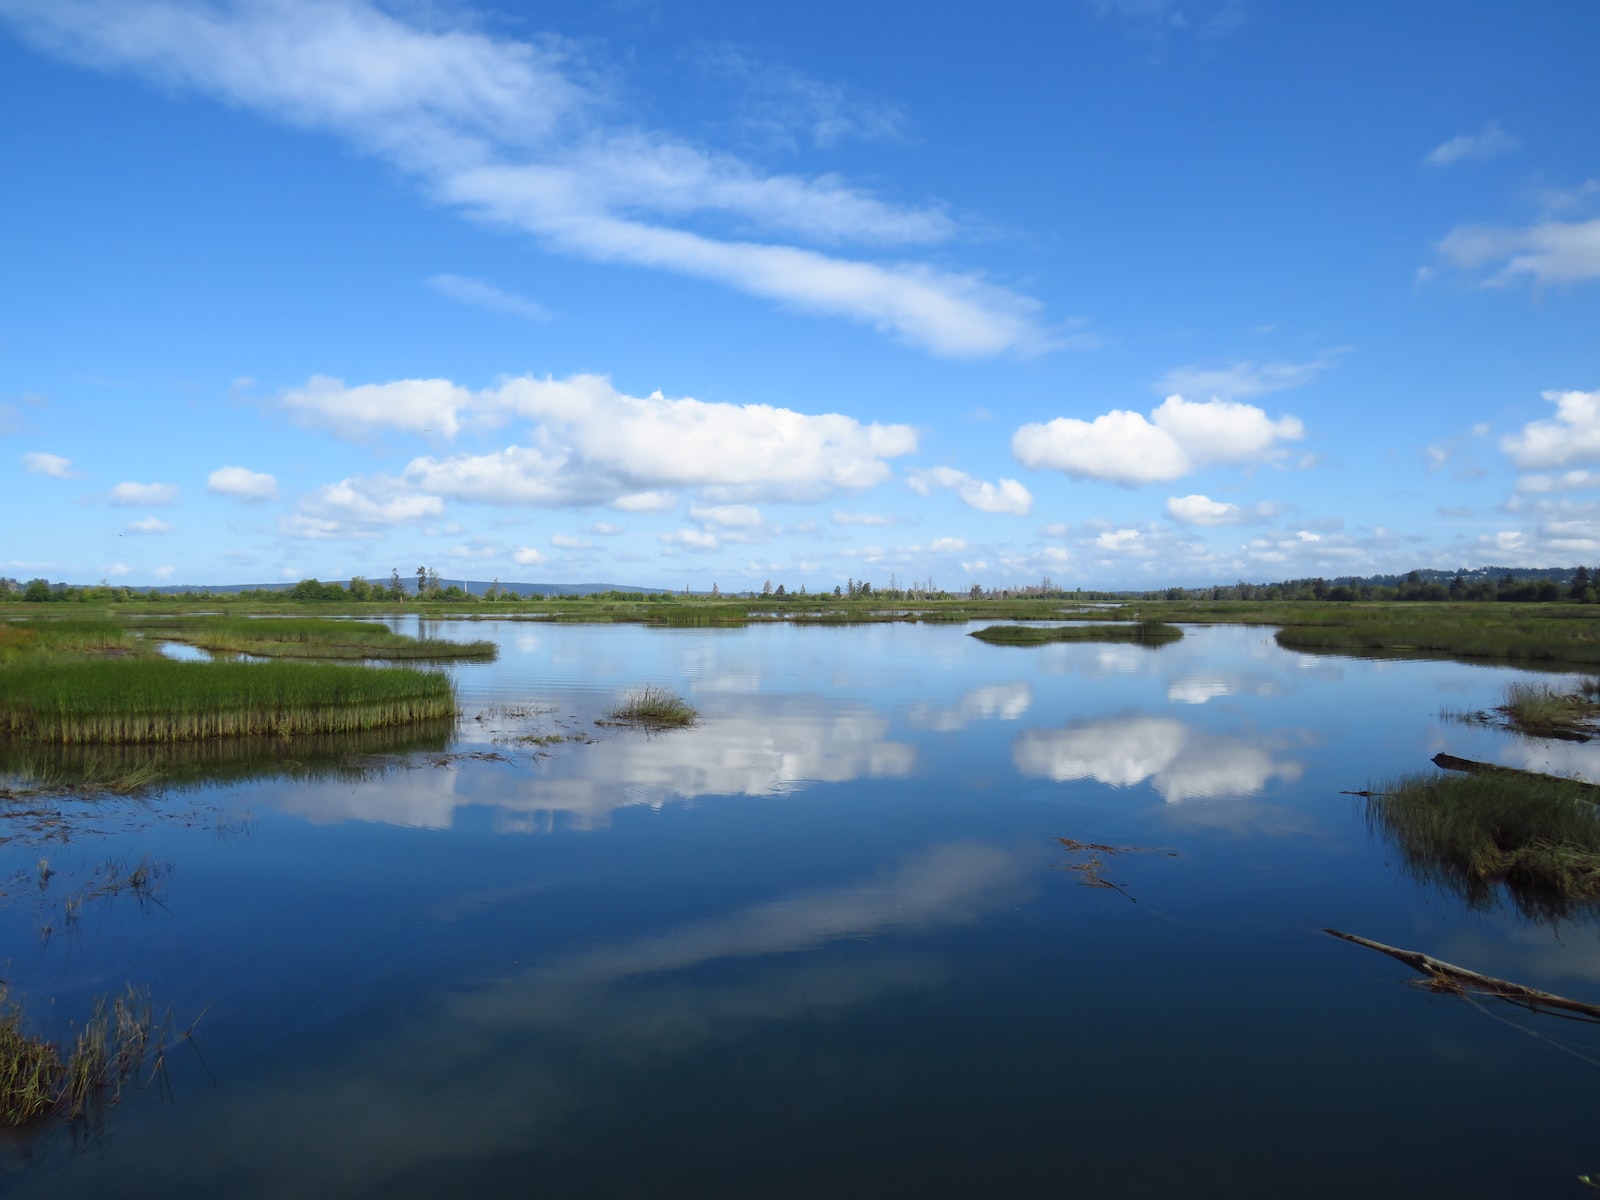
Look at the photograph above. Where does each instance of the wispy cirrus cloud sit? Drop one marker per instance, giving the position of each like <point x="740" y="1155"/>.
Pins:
<point x="1547" y="252"/>
<point x="1488" y="142"/>
<point x="483" y="295"/>
<point x="1241" y="380"/>
<point x="513" y="133"/>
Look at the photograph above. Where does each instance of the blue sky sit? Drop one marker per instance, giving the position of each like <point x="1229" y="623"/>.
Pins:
<point x="1122" y="293"/>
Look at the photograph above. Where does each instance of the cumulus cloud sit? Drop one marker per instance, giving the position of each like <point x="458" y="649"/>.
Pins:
<point x="1203" y="510"/>
<point x="53" y="465"/>
<point x="130" y="495"/>
<point x="1567" y="481"/>
<point x="513" y="134"/>
<point x="1179" y="437"/>
<point x="528" y="556"/>
<point x="1486" y="143"/>
<point x="1180" y="762"/>
<point x="1007" y="496"/>
<point x="359" y="507"/>
<point x="242" y="484"/>
<point x="562" y="541"/>
<point x="592" y="444"/>
<point x="1572" y="436"/>
<point x="1547" y="252"/>
<point x="728" y="516"/>
<point x="691" y="539"/>
<point x="604" y="529"/>
<point x="149" y="525"/>
<point x="1240" y="380"/>
<point x="485" y="295"/>
<point x="862" y="519"/>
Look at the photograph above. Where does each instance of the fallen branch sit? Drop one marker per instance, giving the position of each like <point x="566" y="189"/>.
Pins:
<point x="1449" y="762"/>
<point x="1447" y="977"/>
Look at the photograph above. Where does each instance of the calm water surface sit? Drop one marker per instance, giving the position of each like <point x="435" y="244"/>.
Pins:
<point x="825" y="942"/>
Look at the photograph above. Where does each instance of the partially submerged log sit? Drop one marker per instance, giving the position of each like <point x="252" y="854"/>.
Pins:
<point x="1447" y="977"/>
<point x="1449" y="762"/>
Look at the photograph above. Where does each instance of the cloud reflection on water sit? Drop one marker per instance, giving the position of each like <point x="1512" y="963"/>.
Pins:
<point x="1181" y="762"/>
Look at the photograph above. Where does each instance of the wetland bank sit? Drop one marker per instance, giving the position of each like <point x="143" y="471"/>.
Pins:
<point x="822" y="936"/>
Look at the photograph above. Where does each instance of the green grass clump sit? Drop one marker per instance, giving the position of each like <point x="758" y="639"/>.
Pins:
<point x="654" y="708"/>
<point x="37" y="1081"/>
<point x="69" y="636"/>
<point x="1537" y="835"/>
<point x="1539" y="710"/>
<point x="159" y="700"/>
<point x="310" y="637"/>
<point x="1458" y="631"/>
<point x="1141" y="633"/>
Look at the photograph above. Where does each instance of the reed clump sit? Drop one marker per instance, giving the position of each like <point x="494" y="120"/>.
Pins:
<point x="1471" y="632"/>
<point x="1539" y="710"/>
<point x="67" y="636"/>
<point x="37" y="1080"/>
<point x="1141" y="633"/>
<point x="310" y="637"/>
<point x="159" y="700"/>
<point x="1538" y="835"/>
<point x="654" y="707"/>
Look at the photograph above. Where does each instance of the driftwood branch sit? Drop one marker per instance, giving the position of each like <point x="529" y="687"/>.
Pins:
<point x="1449" y="762"/>
<point x="1448" y="977"/>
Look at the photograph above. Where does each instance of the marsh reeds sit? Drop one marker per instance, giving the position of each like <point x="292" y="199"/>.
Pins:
<point x="654" y="707"/>
<point x="1139" y="633"/>
<point x="310" y="637"/>
<point x="159" y="700"/>
<point x="36" y="1081"/>
<point x="1462" y="631"/>
<point x="1539" y="710"/>
<point x="64" y="636"/>
<point x="1537" y="835"/>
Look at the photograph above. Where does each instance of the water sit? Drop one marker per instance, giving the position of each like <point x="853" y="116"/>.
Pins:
<point x="825" y="942"/>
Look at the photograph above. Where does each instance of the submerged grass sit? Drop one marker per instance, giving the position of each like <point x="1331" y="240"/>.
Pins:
<point x="1141" y="633"/>
<point x="1538" y="835"/>
<point x="654" y="708"/>
<point x="159" y="700"/>
<point x="38" y="1081"/>
<point x="309" y="637"/>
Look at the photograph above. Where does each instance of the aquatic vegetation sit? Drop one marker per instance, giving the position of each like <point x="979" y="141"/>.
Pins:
<point x="310" y="637"/>
<point x="158" y="700"/>
<point x="37" y="1080"/>
<point x="654" y="708"/>
<point x="1140" y="633"/>
<point x="1537" y="835"/>
<point x="71" y="635"/>
<point x="1456" y="631"/>
<point x="1541" y="711"/>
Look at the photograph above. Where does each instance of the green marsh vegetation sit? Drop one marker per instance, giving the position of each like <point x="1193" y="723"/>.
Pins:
<point x="1139" y="633"/>
<point x="64" y="701"/>
<point x="653" y="707"/>
<point x="310" y="637"/>
<point x="1537" y="837"/>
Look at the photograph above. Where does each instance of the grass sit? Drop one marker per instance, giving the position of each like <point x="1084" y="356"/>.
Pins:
<point x="159" y="700"/>
<point x="69" y="636"/>
<point x="1538" y="836"/>
<point x="1539" y="710"/>
<point x="309" y="637"/>
<point x="654" y="708"/>
<point x="38" y="1081"/>
<point x="1141" y="633"/>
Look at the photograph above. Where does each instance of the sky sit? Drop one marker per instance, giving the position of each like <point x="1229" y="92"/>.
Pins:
<point x="674" y="293"/>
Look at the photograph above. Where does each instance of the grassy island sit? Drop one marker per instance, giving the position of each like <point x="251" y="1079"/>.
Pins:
<point x="654" y="707"/>
<point x="1139" y="633"/>
<point x="158" y="700"/>
<point x="311" y="637"/>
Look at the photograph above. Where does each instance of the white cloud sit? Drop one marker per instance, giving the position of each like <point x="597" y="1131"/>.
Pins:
<point x="1572" y="437"/>
<point x="1549" y="251"/>
<point x="728" y="516"/>
<point x="149" y="525"/>
<point x="862" y="519"/>
<point x="1008" y="496"/>
<point x="691" y="539"/>
<point x="605" y="529"/>
<point x="1181" y="436"/>
<point x="780" y="105"/>
<point x="484" y="295"/>
<point x="645" y="502"/>
<point x="38" y="463"/>
<point x="1488" y="142"/>
<point x="593" y="444"/>
<point x="134" y="495"/>
<point x="242" y="484"/>
<point x="511" y="133"/>
<point x="528" y="556"/>
<point x="1120" y="540"/>
<point x="562" y="541"/>
<point x="1181" y="763"/>
<point x="947" y="545"/>
<point x="1240" y="380"/>
<point x="1567" y="481"/>
<point x="1202" y="510"/>
<point x="359" y="507"/>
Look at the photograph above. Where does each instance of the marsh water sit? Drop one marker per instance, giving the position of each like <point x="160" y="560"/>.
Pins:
<point x="825" y="942"/>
